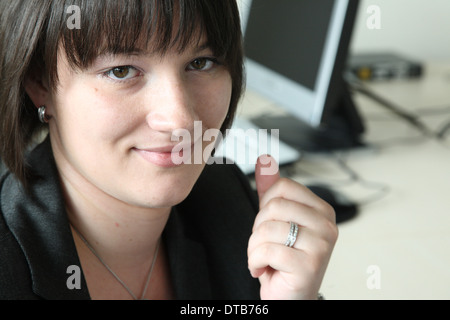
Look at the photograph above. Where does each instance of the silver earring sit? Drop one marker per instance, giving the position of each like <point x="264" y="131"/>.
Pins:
<point x="43" y="117"/>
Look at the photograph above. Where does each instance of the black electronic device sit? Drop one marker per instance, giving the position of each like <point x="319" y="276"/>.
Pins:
<point x="296" y="54"/>
<point x="344" y="208"/>
<point x="383" y="66"/>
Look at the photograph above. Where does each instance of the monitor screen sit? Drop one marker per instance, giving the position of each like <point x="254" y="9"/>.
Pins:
<point x="296" y="51"/>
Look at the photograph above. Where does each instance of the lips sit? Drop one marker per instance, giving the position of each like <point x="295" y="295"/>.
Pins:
<point x="166" y="157"/>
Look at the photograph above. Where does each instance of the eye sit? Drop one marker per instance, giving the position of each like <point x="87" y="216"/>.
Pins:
<point x="202" y="64"/>
<point x="122" y="73"/>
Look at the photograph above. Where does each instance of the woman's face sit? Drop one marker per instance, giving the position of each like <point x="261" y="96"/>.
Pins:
<point x="112" y="124"/>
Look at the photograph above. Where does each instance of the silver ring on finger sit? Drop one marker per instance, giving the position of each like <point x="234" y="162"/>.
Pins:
<point x="292" y="236"/>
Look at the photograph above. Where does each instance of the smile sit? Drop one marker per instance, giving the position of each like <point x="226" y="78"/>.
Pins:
<point x="165" y="157"/>
<point x="161" y="158"/>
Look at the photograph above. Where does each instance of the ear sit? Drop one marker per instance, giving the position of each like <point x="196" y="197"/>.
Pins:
<point x="37" y="89"/>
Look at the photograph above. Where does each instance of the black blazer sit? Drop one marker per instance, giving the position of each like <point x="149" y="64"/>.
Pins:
<point x="206" y="236"/>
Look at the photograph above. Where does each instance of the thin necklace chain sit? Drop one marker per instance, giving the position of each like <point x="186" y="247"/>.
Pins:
<point x="144" y="292"/>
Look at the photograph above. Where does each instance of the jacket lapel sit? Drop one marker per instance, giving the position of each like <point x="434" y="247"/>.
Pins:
<point x="187" y="260"/>
<point x="42" y="229"/>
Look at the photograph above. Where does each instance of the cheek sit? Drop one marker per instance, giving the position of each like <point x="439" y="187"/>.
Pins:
<point x="89" y="113"/>
<point x="214" y="102"/>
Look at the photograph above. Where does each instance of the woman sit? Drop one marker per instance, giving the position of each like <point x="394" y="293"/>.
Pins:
<point x="99" y="209"/>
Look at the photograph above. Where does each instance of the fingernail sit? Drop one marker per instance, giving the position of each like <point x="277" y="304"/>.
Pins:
<point x="266" y="160"/>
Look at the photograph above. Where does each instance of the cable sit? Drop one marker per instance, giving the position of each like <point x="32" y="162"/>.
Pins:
<point x="382" y="189"/>
<point x="441" y="134"/>
<point x="358" y="86"/>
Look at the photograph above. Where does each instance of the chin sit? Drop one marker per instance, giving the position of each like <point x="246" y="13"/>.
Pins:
<point x="154" y="201"/>
<point x="168" y="190"/>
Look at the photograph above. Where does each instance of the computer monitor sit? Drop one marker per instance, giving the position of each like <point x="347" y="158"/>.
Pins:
<point x="296" y="53"/>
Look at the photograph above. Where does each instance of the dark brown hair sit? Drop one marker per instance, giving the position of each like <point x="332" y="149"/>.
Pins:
<point x="31" y="32"/>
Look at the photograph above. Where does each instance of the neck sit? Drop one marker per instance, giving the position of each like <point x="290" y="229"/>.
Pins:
<point x="122" y="234"/>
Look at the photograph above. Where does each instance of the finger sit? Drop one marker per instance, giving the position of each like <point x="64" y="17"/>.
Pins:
<point x="266" y="174"/>
<point x="277" y="232"/>
<point x="293" y="191"/>
<point x="269" y="231"/>
<point x="279" y="209"/>
<point x="275" y="256"/>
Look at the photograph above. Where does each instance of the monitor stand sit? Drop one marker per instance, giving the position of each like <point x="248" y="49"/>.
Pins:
<point x="341" y="129"/>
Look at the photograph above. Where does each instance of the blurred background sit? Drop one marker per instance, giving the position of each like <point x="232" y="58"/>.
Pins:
<point x="391" y="193"/>
<point x="416" y="28"/>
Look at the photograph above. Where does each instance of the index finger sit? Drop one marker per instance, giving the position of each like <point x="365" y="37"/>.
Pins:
<point x="294" y="191"/>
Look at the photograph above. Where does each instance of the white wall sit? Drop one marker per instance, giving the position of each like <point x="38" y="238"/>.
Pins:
<point x="418" y="28"/>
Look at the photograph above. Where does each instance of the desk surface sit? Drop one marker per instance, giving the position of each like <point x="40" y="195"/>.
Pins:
<point x="398" y="245"/>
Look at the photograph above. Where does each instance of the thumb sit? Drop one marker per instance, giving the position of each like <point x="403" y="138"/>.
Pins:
<point x="266" y="174"/>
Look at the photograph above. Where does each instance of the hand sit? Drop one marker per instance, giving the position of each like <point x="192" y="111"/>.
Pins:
<point x="297" y="272"/>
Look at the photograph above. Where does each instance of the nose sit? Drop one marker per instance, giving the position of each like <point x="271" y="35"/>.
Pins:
<point x="171" y="105"/>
